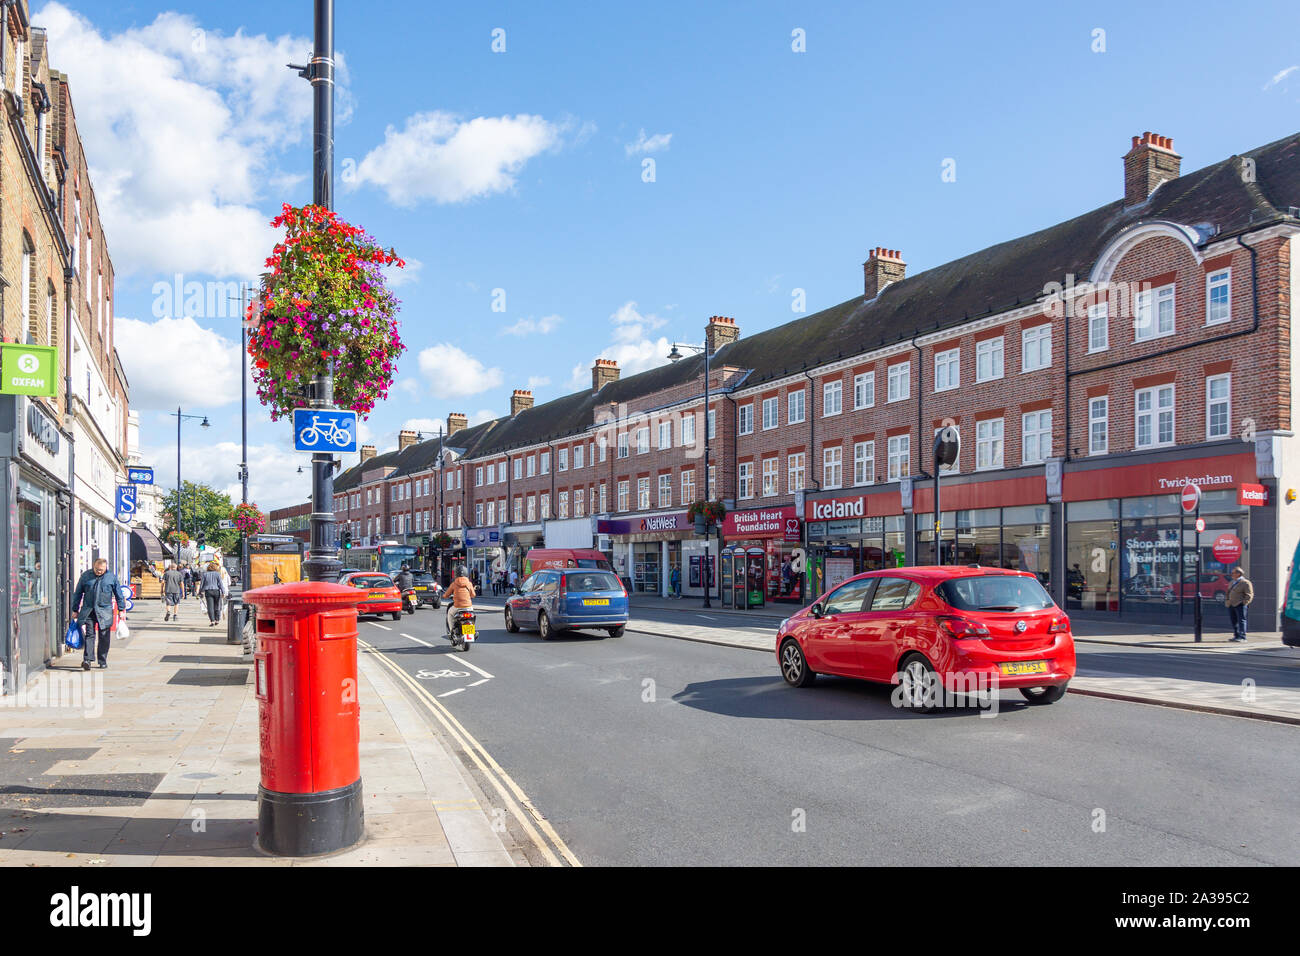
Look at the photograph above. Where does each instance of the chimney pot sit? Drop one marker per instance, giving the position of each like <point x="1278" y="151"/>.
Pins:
<point x="520" y="400"/>
<point x="602" y="373"/>
<point x="882" y="267"/>
<point x="456" y="421"/>
<point x="1150" y="162"/>
<point x="721" y="330"/>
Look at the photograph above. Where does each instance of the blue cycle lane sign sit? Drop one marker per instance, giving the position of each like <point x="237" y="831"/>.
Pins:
<point x="126" y="503"/>
<point x="324" y="429"/>
<point x="140" y="476"/>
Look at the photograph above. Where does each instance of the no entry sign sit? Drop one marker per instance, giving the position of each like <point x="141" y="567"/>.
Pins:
<point x="1227" y="548"/>
<point x="1191" y="497"/>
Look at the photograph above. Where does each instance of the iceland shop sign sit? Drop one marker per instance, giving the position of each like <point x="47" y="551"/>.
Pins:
<point x="830" y="509"/>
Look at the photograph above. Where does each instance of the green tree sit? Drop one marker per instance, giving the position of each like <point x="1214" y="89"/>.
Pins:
<point x="202" y="509"/>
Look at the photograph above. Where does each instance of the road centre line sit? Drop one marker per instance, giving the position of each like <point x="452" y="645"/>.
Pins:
<point x="500" y="780"/>
<point x="384" y="626"/>
<point x="472" y="667"/>
<point x="417" y="640"/>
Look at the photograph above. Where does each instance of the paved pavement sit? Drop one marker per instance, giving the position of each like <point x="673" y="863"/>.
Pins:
<point x="646" y="751"/>
<point x="1258" y="679"/>
<point x="154" y="761"/>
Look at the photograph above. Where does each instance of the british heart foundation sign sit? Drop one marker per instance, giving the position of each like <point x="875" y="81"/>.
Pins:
<point x="763" y="523"/>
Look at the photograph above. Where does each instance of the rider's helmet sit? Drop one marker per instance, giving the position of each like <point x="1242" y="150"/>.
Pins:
<point x="405" y="566"/>
<point x="462" y="571"/>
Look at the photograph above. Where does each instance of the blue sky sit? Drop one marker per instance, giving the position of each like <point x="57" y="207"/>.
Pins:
<point x="522" y="171"/>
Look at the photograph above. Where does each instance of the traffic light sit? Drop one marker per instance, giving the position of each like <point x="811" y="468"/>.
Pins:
<point x="201" y="540"/>
<point x="347" y="539"/>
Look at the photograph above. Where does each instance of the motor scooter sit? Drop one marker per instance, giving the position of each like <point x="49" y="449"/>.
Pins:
<point x="463" y="628"/>
<point x="410" y="600"/>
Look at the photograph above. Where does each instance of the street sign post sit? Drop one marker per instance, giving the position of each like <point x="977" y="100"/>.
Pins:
<point x="225" y="524"/>
<point x="324" y="429"/>
<point x="1191" y="502"/>
<point x="29" y="369"/>
<point x="140" y="475"/>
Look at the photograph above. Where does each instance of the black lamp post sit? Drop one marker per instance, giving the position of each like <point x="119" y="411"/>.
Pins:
<point x="676" y="356"/>
<point x="204" y="423"/>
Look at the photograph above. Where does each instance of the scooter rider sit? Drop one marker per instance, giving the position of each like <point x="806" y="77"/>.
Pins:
<point x="405" y="581"/>
<point x="462" y="595"/>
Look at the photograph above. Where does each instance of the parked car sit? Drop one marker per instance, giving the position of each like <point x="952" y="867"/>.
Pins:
<point x="1148" y="587"/>
<point x="934" y="628"/>
<point x="427" y="590"/>
<point x="539" y="559"/>
<point x="557" y="600"/>
<point x="382" y="597"/>
<point x="1214" y="587"/>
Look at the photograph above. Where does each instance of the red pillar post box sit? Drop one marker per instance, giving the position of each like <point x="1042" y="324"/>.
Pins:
<point x="309" y="800"/>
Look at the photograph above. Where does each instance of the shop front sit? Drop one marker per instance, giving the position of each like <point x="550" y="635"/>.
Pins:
<point x="849" y="534"/>
<point x="519" y="539"/>
<point x="646" y="550"/>
<point x="763" y="559"/>
<point x="484" y="552"/>
<point x="34" y="470"/>
<point x="1132" y="555"/>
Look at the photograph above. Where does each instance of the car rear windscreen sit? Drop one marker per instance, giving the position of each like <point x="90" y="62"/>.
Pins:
<point x="593" y="563"/>
<point x="422" y="577"/>
<point x="995" y="592"/>
<point x="592" y="581"/>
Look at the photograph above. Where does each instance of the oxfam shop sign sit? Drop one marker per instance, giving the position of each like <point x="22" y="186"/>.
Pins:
<point x="28" y="370"/>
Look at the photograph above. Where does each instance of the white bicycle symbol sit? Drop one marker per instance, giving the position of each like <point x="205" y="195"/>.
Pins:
<point x="338" y="436"/>
<point x="431" y="675"/>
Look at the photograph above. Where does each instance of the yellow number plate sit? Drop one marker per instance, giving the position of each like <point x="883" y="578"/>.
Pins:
<point x="596" y="601"/>
<point x="467" y="630"/>
<point x="1024" y="667"/>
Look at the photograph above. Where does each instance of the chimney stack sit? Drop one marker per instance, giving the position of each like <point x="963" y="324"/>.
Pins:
<point x="456" y="421"/>
<point x="1150" y="162"/>
<point x="602" y="373"/>
<point x="720" y="331"/>
<point x="882" y="267"/>
<point x="405" y="439"/>
<point x="521" y="399"/>
<point x="367" y="452"/>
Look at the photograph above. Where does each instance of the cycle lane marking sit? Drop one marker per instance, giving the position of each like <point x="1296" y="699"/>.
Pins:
<point x="473" y="667"/>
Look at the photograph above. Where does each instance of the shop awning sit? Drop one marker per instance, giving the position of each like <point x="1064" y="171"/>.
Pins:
<point x="145" y="546"/>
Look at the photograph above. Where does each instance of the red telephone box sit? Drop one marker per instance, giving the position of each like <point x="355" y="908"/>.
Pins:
<point x="305" y="669"/>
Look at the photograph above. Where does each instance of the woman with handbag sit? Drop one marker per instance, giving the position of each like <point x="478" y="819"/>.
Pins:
<point x="210" y="583"/>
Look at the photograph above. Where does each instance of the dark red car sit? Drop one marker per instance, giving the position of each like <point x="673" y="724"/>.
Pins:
<point x="382" y="596"/>
<point x="935" y="631"/>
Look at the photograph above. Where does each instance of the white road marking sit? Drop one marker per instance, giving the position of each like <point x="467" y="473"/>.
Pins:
<point x="472" y="667"/>
<point x="450" y="692"/>
<point x="417" y="640"/>
<point x="384" y="626"/>
<point x="706" y="617"/>
<point x="477" y="682"/>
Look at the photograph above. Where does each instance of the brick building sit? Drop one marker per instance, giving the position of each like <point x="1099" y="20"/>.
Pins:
<point x="56" y="290"/>
<point x="1090" y="370"/>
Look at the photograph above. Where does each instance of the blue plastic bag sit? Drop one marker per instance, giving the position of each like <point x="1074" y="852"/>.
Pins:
<point x="74" y="639"/>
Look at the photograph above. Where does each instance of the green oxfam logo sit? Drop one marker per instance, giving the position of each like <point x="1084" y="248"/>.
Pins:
<point x="29" y="370"/>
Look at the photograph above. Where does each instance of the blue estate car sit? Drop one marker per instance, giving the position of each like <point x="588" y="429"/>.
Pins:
<point x="562" y="599"/>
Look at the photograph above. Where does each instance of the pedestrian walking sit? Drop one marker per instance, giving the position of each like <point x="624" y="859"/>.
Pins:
<point x="1240" y="594"/>
<point x="211" y="585"/>
<point x="93" y="603"/>
<point x="675" y="581"/>
<point x="225" y="587"/>
<point x="514" y="580"/>
<point x="173" y="588"/>
<point x="187" y="579"/>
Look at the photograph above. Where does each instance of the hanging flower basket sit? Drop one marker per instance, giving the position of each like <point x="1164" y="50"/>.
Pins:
<point x="442" y="540"/>
<point x="324" y="304"/>
<point x="175" y="537"/>
<point x="248" y="519"/>
<point x="715" y="512"/>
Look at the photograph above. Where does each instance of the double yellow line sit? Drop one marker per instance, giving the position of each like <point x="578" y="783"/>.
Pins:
<point x="516" y="801"/>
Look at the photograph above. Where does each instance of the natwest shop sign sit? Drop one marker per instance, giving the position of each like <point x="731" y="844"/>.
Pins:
<point x="763" y="523"/>
<point x="829" y="509"/>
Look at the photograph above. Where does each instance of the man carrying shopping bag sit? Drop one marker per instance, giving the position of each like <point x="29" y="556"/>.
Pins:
<point x="93" y="602"/>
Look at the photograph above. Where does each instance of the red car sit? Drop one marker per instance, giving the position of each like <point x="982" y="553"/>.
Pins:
<point x="383" y="597"/>
<point x="934" y="630"/>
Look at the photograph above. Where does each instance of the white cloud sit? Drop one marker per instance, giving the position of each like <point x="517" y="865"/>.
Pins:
<point x="529" y="325"/>
<point x="167" y="360"/>
<point x="651" y="144"/>
<point x="182" y="127"/>
<point x="397" y="278"/>
<point x="451" y="372"/>
<point x="633" y="349"/>
<point x="273" y="479"/>
<point x="440" y="157"/>
<point x="1281" y="75"/>
<point x="538" y="381"/>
